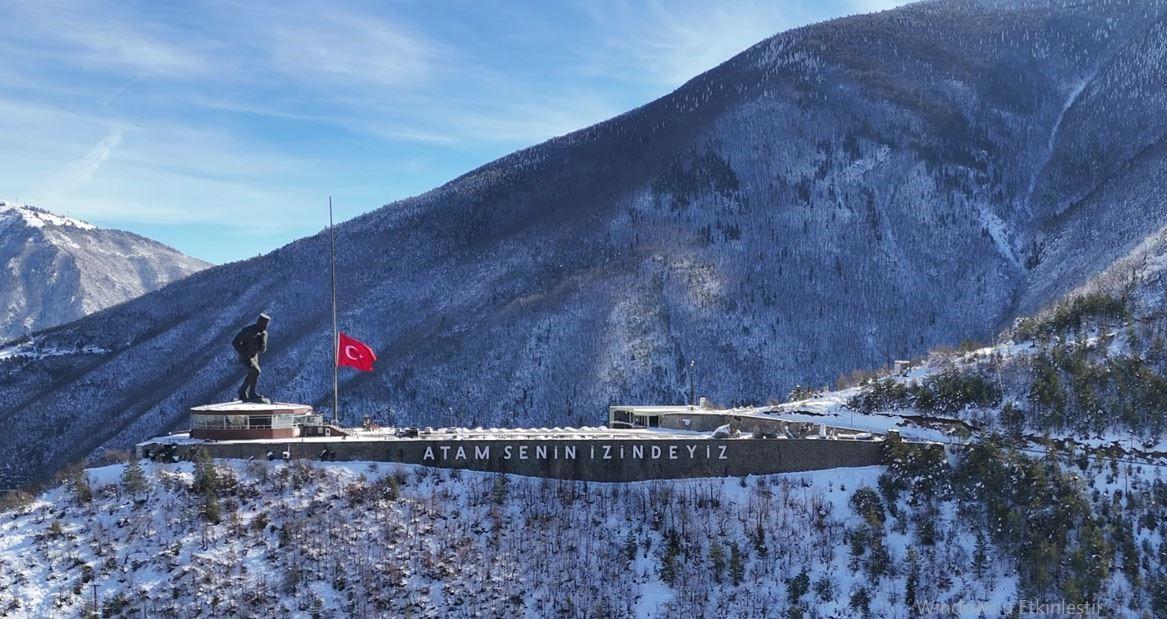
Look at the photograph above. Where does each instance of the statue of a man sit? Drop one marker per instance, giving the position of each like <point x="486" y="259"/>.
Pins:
<point x="250" y="341"/>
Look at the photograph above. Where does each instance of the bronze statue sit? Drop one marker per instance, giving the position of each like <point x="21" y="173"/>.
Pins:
<point x="248" y="343"/>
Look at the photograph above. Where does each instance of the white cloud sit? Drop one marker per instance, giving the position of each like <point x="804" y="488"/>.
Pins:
<point x="88" y="34"/>
<point x="77" y="174"/>
<point x="352" y="50"/>
<point x="668" y="44"/>
<point x="872" y="6"/>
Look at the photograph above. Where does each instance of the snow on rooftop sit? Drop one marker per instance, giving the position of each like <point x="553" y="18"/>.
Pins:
<point x="253" y="407"/>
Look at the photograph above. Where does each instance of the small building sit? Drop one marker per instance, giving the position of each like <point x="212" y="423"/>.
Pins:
<point x="644" y="416"/>
<point x="676" y="417"/>
<point x="248" y="420"/>
<point x="760" y="422"/>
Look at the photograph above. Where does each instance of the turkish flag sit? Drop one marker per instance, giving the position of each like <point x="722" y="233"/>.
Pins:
<point x="354" y="353"/>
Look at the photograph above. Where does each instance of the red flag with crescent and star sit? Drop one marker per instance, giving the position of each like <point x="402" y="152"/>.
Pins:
<point x="354" y="354"/>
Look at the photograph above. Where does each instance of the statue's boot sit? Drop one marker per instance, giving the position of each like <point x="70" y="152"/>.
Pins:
<point x="255" y="398"/>
<point x="242" y="394"/>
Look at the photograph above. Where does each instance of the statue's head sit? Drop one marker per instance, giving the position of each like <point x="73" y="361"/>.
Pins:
<point x="263" y="320"/>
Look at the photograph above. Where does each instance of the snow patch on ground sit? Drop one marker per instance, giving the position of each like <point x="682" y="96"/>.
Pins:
<point x="29" y="350"/>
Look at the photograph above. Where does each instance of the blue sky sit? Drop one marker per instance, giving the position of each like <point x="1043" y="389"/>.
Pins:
<point x="221" y="128"/>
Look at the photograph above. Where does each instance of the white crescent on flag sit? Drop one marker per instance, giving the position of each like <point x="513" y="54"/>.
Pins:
<point x="354" y="353"/>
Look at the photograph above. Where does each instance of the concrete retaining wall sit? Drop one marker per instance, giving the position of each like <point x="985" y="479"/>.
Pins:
<point x="581" y="459"/>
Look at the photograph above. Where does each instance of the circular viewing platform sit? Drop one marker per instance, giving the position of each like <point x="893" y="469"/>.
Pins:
<point x="249" y="420"/>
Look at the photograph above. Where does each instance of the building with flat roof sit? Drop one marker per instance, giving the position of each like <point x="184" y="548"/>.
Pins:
<point x="248" y="420"/>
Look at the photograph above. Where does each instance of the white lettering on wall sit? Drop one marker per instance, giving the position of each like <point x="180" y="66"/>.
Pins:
<point x="551" y="451"/>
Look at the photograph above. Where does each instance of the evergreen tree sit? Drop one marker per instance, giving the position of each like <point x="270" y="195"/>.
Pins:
<point x="1090" y="563"/>
<point x="668" y="567"/>
<point x="716" y="560"/>
<point x="669" y="564"/>
<point x="206" y="477"/>
<point x="911" y="583"/>
<point x="861" y="601"/>
<point x="1158" y="589"/>
<point x="737" y="567"/>
<point x="210" y="508"/>
<point x="82" y="491"/>
<point x="797" y="587"/>
<point x="1046" y="393"/>
<point x="630" y="546"/>
<point x="1012" y="420"/>
<point x="980" y="558"/>
<point x="878" y="560"/>
<point x="760" y="540"/>
<point x="824" y="589"/>
<point x="866" y="503"/>
<point x="133" y="479"/>
<point x="206" y="483"/>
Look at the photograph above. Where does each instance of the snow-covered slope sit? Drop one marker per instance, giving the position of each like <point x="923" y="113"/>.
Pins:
<point x="364" y="539"/>
<point x="833" y="198"/>
<point x="57" y="269"/>
<point x="1088" y="372"/>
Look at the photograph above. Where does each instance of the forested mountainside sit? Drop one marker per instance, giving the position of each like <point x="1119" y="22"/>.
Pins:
<point x="919" y="537"/>
<point x="1090" y="370"/>
<point x="59" y="269"/>
<point x="832" y="198"/>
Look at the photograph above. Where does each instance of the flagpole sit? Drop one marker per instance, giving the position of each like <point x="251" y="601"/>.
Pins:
<point x="335" y="336"/>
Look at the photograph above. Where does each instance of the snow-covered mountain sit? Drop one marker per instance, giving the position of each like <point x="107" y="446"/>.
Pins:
<point x="1089" y="372"/>
<point x="58" y="269"/>
<point x="833" y="198"/>
<point x="920" y="537"/>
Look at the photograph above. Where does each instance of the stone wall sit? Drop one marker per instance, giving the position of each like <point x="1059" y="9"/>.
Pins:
<point x="601" y="460"/>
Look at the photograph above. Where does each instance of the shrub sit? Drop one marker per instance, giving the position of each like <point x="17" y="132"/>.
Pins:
<point x="921" y="469"/>
<point x="1071" y="313"/>
<point x="949" y="391"/>
<point x="867" y="504"/>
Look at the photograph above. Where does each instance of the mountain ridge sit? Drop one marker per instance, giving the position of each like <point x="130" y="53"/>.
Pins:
<point x="832" y="198"/>
<point x="62" y="269"/>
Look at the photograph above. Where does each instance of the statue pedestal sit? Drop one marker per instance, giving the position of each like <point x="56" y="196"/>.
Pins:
<point x="249" y="420"/>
